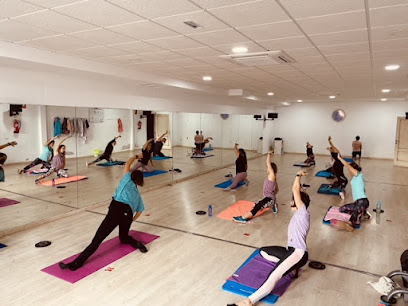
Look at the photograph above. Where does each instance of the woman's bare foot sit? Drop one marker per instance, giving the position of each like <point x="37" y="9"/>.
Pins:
<point x="246" y="302"/>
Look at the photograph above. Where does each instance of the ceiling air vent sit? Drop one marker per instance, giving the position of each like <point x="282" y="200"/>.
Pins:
<point x="260" y="59"/>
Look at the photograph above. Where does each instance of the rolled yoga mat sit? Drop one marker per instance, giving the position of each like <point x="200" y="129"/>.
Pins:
<point x="107" y="253"/>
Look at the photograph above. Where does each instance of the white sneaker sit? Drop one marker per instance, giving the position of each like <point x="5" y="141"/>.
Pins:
<point x="86" y="164"/>
<point x="246" y="182"/>
<point x="367" y="215"/>
<point x="341" y="194"/>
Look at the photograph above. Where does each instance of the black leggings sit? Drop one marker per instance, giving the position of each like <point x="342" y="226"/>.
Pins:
<point x="36" y="162"/>
<point x="119" y="214"/>
<point x="103" y="156"/>
<point x="355" y="209"/>
<point x="261" y="204"/>
<point x="158" y="154"/>
<point x="282" y="253"/>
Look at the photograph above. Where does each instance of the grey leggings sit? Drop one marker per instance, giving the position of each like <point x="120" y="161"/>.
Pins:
<point x="139" y="164"/>
<point x="237" y="179"/>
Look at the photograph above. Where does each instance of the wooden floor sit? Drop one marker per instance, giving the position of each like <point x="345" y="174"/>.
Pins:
<point x="194" y="255"/>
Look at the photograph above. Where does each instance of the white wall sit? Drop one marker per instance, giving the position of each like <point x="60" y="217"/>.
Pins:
<point x="374" y="122"/>
<point x="237" y="128"/>
<point x="29" y="139"/>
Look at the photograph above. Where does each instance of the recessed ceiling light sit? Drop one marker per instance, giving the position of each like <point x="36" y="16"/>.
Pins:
<point x="207" y="78"/>
<point x="386" y="90"/>
<point x="286" y="103"/>
<point x="239" y="50"/>
<point x="270" y="93"/>
<point x="392" y="67"/>
<point x="332" y="97"/>
<point x="383" y="99"/>
<point x="300" y="100"/>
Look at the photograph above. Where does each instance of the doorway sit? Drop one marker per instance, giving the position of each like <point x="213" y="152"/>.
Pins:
<point x="401" y="143"/>
<point x="162" y="125"/>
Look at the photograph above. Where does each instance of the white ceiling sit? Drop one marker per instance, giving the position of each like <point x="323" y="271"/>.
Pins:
<point x="340" y="46"/>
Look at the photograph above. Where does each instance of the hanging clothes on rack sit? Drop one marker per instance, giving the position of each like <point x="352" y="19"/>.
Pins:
<point x="65" y="126"/>
<point x="57" y="126"/>
<point x="120" y="126"/>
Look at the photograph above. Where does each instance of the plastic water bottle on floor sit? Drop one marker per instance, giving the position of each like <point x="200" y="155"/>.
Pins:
<point x="53" y="182"/>
<point x="378" y="209"/>
<point x="210" y="208"/>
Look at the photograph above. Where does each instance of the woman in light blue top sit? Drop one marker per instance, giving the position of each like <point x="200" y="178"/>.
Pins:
<point x="360" y="205"/>
<point x="295" y="255"/>
<point x="125" y="202"/>
<point x="45" y="157"/>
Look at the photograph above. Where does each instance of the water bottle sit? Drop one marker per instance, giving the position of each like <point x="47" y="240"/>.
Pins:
<point x="53" y="182"/>
<point x="210" y="207"/>
<point x="378" y="210"/>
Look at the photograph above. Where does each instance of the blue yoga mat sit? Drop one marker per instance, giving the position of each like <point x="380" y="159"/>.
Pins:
<point x="161" y="158"/>
<point x="349" y="160"/>
<point x="324" y="188"/>
<point x="108" y="164"/>
<point x="2" y="245"/>
<point x="155" y="172"/>
<point x="356" y="226"/>
<point x="228" y="183"/>
<point x="323" y="173"/>
<point x="208" y="149"/>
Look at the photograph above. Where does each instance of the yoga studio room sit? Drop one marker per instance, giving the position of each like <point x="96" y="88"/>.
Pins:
<point x="204" y="152"/>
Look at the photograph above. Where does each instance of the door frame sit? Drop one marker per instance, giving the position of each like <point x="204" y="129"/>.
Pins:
<point x="167" y="145"/>
<point x="397" y="137"/>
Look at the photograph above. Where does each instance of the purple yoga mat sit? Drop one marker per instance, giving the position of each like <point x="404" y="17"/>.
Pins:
<point x="255" y="272"/>
<point x="7" y="202"/>
<point x="108" y="252"/>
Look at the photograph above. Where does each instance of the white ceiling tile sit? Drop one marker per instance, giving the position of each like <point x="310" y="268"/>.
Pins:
<point x="96" y="12"/>
<point x="175" y="43"/>
<point x="286" y="43"/>
<point x="252" y="47"/>
<point x="95" y="52"/>
<point x="390" y="53"/>
<point x="250" y="13"/>
<point x="302" y="52"/>
<point x="348" y="57"/>
<point x="219" y="62"/>
<point x="204" y="19"/>
<point x="390" y="32"/>
<point x="13" y="31"/>
<point x="276" y="30"/>
<point x="352" y="63"/>
<point x="219" y="37"/>
<point x="126" y="59"/>
<point x="391" y="44"/>
<point x="208" y="4"/>
<point x="58" y="43"/>
<point x="52" y="3"/>
<point x="136" y="47"/>
<point x="102" y="37"/>
<point x="55" y="21"/>
<point x="346" y="48"/>
<point x="334" y="23"/>
<point x="157" y="8"/>
<point x="340" y="38"/>
<point x="185" y="62"/>
<point x="13" y="8"/>
<point x="143" y="30"/>
<point x="199" y="52"/>
<point x="380" y="3"/>
<point x="309" y="8"/>
<point x="311" y="59"/>
<point x="386" y="16"/>
<point x="163" y="55"/>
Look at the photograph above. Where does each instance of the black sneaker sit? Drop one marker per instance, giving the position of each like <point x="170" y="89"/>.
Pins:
<point x="71" y="266"/>
<point x="141" y="247"/>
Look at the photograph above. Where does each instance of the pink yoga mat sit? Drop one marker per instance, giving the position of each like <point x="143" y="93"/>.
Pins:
<point x="108" y="252"/>
<point x="240" y="208"/>
<point x="7" y="202"/>
<point x="64" y="180"/>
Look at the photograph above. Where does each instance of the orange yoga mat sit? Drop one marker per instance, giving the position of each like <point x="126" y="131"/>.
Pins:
<point x="63" y="180"/>
<point x="238" y="209"/>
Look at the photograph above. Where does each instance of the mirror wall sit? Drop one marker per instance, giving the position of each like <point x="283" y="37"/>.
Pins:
<point x="86" y="132"/>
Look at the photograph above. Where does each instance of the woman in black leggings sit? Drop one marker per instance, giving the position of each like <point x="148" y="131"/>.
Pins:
<point x="337" y="169"/>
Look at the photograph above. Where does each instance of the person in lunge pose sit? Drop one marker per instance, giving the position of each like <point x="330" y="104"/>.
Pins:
<point x="45" y="157"/>
<point x="337" y="169"/>
<point x="107" y="154"/>
<point x="241" y="166"/>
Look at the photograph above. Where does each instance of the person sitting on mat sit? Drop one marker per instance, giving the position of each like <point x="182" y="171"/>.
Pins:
<point x="126" y="202"/>
<point x="295" y="255"/>
<point x="58" y="163"/>
<point x="357" y="147"/>
<point x="270" y="190"/>
<point x="359" y="208"/>
<point x="3" y="158"/>
<point x="241" y="167"/>
<point x="107" y="154"/>
<point x="45" y="157"/>
<point x="145" y="157"/>
<point x="337" y="169"/>
<point x="158" y="145"/>
<point x="310" y="156"/>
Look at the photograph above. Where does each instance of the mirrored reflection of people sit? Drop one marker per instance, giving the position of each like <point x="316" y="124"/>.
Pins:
<point x="338" y="170"/>
<point x="3" y="158"/>
<point x="295" y="255"/>
<point x="199" y="143"/>
<point x="158" y="145"/>
<point x="145" y="157"/>
<point x="241" y="167"/>
<point x="357" y="147"/>
<point x="45" y="157"/>
<point x="58" y="163"/>
<point x="107" y="154"/>
<point x="126" y="206"/>
<point x="310" y="156"/>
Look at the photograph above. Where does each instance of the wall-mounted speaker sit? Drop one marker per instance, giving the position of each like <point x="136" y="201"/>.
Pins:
<point x="257" y="116"/>
<point x="272" y="115"/>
